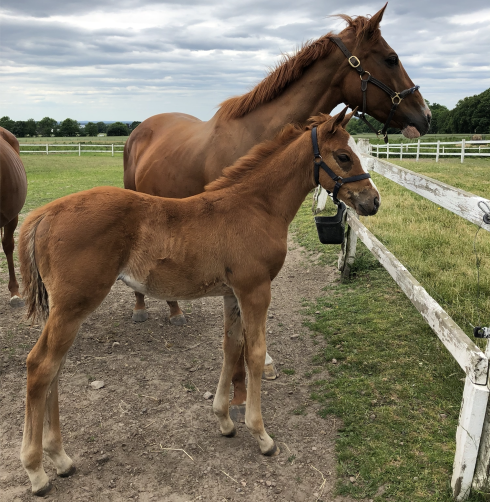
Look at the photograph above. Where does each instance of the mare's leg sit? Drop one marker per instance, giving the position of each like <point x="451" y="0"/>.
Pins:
<point x="139" y="312"/>
<point x="254" y="305"/>
<point x="232" y="348"/>
<point x="177" y="317"/>
<point x="44" y="364"/>
<point x="270" y="372"/>
<point x="8" y="248"/>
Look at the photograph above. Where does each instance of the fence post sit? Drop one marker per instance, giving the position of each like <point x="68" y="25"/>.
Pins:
<point x="387" y="150"/>
<point x="463" y="144"/>
<point x="418" y="150"/>
<point x="79" y="149"/>
<point x="468" y="435"/>
<point x="47" y="152"/>
<point x="113" y="149"/>
<point x="401" y="150"/>
<point x="437" y="151"/>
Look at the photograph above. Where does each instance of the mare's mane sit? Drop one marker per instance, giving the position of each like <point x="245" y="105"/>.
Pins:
<point x="290" y="68"/>
<point x="259" y="153"/>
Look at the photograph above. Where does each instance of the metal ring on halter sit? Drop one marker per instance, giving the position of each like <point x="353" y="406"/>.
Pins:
<point x="396" y="96"/>
<point x="364" y="80"/>
<point x="356" y="59"/>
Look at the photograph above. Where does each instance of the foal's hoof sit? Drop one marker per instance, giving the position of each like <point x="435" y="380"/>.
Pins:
<point x="68" y="473"/>
<point x="140" y="315"/>
<point x="44" y="490"/>
<point x="270" y="372"/>
<point x="16" y="302"/>
<point x="231" y="434"/>
<point x="273" y="451"/>
<point x="237" y="413"/>
<point x="178" y="320"/>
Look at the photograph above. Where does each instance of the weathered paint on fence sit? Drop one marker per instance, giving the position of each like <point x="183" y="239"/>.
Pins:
<point x="464" y="204"/>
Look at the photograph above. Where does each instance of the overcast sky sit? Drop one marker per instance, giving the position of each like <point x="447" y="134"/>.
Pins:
<point x="128" y="60"/>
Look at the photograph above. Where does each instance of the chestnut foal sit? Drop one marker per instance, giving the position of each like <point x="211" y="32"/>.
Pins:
<point x="229" y="241"/>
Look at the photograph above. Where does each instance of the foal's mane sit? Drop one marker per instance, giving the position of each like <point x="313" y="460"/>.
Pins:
<point x="259" y="153"/>
<point x="290" y="68"/>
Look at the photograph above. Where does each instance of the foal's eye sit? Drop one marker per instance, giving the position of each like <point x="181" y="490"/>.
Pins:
<point x="392" y="61"/>
<point x="343" y="158"/>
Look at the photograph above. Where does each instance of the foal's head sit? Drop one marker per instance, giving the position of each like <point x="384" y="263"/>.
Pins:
<point x="339" y="151"/>
<point x="363" y="38"/>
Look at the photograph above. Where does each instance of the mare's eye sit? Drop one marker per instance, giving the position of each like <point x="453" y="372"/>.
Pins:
<point x="343" y="158"/>
<point x="392" y="61"/>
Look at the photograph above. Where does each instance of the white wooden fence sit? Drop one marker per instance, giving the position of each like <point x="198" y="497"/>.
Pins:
<point x="73" y="148"/>
<point x="472" y="360"/>
<point x="462" y="149"/>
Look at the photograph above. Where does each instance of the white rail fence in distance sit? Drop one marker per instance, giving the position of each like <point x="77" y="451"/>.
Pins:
<point x="73" y="148"/>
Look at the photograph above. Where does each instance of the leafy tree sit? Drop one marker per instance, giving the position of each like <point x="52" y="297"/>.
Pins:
<point x="134" y="125"/>
<point x="47" y="126"/>
<point x="19" y="128"/>
<point x="440" y="119"/>
<point x="69" y="127"/>
<point x="357" y="126"/>
<point x="117" y="129"/>
<point x="101" y="127"/>
<point x="7" y="123"/>
<point x="31" y="128"/>
<point x="91" y="129"/>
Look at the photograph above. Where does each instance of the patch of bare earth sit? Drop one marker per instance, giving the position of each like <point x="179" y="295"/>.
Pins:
<point x="148" y="434"/>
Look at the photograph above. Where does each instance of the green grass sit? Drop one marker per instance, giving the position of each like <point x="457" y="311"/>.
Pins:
<point x="51" y="177"/>
<point x="395" y="387"/>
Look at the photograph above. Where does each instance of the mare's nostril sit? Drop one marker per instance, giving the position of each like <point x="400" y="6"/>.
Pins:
<point x="376" y="202"/>
<point x="429" y="117"/>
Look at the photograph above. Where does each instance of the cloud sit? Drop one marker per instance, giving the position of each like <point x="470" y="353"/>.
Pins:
<point x="129" y="60"/>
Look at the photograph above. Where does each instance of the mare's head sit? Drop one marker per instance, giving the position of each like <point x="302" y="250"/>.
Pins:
<point x="363" y="39"/>
<point x="339" y="152"/>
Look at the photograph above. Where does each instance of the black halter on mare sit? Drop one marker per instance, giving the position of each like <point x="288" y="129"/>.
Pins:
<point x="396" y="97"/>
<point x="318" y="162"/>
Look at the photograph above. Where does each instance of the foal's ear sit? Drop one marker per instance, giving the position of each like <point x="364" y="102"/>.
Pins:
<point x="336" y="121"/>
<point x="349" y="116"/>
<point x="376" y="20"/>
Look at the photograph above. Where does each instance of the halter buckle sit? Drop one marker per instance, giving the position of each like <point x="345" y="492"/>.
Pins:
<point x="362" y="79"/>
<point x="353" y="63"/>
<point x="398" y="97"/>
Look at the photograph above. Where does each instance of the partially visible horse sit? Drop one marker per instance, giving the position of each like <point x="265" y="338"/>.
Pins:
<point x="176" y="155"/>
<point x="13" y="192"/>
<point x="230" y="240"/>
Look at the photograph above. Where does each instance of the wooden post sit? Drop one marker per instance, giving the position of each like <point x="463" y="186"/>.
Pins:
<point x="113" y="149"/>
<point x="348" y="252"/>
<point x="79" y="152"/>
<point x="418" y="150"/>
<point x="47" y="152"/>
<point x="437" y="151"/>
<point x="468" y="435"/>
<point x="401" y="150"/>
<point x="387" y="150"/>
<point x="463" y="144"/>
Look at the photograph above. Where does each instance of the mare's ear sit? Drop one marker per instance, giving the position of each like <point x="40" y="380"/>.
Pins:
<point x="349" y="116"/>
<point x="375" y="20"/>
<point x="336" y="121"/>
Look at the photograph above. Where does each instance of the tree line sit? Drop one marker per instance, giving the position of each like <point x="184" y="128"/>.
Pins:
<point x="68" y="127"/>
<point x="470" y="115"/>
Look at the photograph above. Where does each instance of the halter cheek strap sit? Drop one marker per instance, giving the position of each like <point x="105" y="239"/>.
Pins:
<point x="318" y="163"/>
<point x="396" y="97"/>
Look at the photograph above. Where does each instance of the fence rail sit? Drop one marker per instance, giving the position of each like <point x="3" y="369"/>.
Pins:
<point x="438" y="149"/>
<point x="472" y="420"/>
<point x="75" y="148"/>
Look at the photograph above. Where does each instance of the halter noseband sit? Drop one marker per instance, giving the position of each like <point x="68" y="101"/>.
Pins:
<point x="396" y="97"/>
<point x="318" y="162"/>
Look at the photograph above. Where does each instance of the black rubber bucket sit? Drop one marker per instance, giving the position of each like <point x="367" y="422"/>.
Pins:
<point x="331" y="229"/>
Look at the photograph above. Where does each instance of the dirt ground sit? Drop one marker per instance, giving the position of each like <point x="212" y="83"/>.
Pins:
<point x="155" y="376"/>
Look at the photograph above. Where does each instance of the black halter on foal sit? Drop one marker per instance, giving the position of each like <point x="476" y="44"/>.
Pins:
<point x="396" y="97"/>
<point x="318" y="162"/>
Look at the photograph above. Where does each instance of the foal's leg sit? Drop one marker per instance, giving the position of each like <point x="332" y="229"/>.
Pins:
<point x="140" y="314"/>
<point x="44" y="364"/>
<point x="232" y="348"/>
<point x="177" y="317"/>
<point x="8" y="248"/>
<point x="254" y="305"/>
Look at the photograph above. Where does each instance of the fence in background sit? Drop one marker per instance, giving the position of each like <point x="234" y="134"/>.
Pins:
<point x="462" y="149"/>
<point x="73" y="148"/>
<point x="472" y="461"/>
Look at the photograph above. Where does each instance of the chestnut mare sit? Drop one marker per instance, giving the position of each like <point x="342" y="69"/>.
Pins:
<point x="176" y="155"/>
<point x="229" y="241"/>
<point x="13" y="191"/>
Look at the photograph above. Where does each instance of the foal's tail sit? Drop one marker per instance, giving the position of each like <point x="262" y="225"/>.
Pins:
<point x="34" y="292"/>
